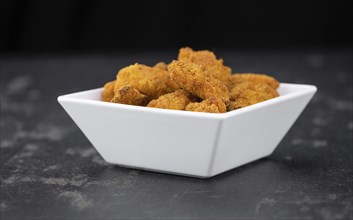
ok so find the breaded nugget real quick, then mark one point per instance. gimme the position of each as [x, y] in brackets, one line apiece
[193, 78]
[150, 81]
[208, 60]
[161, 65]
[238, 89]
[254, 78]
[212, 105]
[108, 91]
[250, 81]
[129, 95]
[255, 94]
[198, 81]
[176, 100]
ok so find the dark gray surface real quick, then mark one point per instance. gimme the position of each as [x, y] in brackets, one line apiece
[50, 170]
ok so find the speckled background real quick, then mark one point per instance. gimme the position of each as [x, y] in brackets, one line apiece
[49, 170]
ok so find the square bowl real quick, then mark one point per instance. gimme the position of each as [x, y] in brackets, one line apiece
[181, 142]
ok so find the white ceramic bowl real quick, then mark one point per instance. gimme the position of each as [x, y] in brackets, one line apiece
[181, 142]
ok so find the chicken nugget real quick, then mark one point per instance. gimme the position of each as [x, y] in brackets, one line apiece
[193, 78]
[129, 95]
[208, 60]
[254, 78]
[255, 94]
[176, 100]
[161, 65]
[212, 105]
[150, 81]
[238, 89]
[108, 91]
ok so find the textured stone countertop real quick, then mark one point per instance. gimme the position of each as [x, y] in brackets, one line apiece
[49, 170]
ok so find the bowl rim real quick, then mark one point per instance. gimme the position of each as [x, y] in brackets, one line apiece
[75, 97]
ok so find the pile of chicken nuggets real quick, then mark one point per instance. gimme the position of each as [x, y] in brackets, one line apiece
[196, 81]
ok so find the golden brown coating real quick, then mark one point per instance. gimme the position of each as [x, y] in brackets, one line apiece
[176, 100]
[238, 89]
[197, 81]
[252, 95]
[254, 78]
[161, 65]
[129, 95]
[212, 105]
[151, 81]
[108, 91]
[193, 78]
[208, 60]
